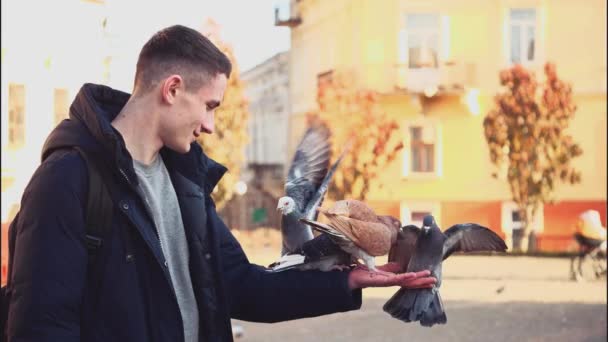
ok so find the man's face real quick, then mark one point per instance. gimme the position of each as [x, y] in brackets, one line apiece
[192, 114]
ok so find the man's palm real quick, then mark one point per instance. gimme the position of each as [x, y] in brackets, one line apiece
[361, 277]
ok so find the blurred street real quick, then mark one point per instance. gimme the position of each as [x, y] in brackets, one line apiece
[495, 298]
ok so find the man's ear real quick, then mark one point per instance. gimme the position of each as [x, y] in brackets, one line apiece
[171, 87]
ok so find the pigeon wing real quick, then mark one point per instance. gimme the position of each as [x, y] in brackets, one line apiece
[373, 237]
[311, 212]
[321, 246]
[309, 166]
[361, 211]
[471, 237]
[311, 159]
[402, 250]
[325, 228]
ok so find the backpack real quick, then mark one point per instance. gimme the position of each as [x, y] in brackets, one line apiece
[97, 223]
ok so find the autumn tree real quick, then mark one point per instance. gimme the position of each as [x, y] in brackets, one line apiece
[527, 138]
[226, 144]
[354, 117]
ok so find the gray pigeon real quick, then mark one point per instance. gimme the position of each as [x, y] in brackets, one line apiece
[307, 182]
[321, 253]
[430, 248]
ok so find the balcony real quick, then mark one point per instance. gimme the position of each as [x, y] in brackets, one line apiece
[445, 78]
[291, 21]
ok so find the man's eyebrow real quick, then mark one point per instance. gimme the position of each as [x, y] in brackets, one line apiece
[213, 104]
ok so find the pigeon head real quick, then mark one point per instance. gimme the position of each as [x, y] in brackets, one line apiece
[428, 222]
[392, 223]
[286, 205]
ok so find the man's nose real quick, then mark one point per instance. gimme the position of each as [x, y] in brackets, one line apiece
[208, 125]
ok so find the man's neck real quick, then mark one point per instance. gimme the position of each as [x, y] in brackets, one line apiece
[138, 126]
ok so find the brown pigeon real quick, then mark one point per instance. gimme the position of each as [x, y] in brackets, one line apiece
[403, 248]
[356, 228]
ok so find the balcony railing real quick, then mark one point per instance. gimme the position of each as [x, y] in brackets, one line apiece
[450, 77]
[292, 21]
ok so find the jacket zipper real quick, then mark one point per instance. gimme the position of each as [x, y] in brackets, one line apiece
[160, 244]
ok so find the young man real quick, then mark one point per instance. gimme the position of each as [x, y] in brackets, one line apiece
[169, 269]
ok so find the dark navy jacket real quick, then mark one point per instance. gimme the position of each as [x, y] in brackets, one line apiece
[128, 296]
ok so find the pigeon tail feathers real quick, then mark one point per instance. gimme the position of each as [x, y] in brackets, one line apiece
[435, 314]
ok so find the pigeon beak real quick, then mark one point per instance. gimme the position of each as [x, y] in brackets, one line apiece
[426, 229]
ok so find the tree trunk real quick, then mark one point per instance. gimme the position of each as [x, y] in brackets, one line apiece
[527, 243]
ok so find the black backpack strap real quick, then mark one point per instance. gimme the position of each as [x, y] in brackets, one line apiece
[98, 222]
[99, 206]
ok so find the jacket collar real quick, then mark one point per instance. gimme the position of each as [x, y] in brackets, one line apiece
[89, 127]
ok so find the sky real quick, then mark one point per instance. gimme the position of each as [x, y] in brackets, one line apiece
[248, 25]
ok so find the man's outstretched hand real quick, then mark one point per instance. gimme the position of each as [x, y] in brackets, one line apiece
[360, 277]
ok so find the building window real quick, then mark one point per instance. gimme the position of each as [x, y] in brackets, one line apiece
[512, 222]
[16, 115]
[60, 100]
[418, 217]
[422, 155]
[522, 30]
[422, 149]
[325, 78]
[516, 221]
[422, 35]
[414, 212]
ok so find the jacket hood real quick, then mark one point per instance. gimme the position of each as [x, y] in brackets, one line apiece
[89, 128]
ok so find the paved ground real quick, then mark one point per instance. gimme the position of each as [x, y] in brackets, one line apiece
[487, 298]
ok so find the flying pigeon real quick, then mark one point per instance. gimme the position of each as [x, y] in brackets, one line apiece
[307, 182]
[430, 248]
[358, 231]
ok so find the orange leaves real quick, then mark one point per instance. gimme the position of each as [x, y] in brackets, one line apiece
[354, 114]
[226, 145]
[526, 132]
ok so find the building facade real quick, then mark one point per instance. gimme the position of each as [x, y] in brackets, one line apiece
[266, 87]
[435, 64]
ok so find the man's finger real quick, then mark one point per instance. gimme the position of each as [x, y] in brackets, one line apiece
[424, 273]
[419, 282]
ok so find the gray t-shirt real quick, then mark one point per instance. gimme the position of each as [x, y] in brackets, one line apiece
[156, 188]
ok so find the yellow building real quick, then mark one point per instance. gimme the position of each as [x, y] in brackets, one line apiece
[436, 65]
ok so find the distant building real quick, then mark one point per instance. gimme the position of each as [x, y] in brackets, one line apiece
[267, 90]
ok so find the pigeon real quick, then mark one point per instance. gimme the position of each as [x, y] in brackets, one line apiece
[358, 231]
[321, 253]
[430, 248]
[307, 182]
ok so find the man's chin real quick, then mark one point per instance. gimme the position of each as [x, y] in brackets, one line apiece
[181, 149]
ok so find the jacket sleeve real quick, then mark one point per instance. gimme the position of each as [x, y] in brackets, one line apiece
[50, 257]
[259, 296]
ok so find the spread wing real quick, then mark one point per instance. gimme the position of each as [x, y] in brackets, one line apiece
[471, 237]
[373, 237]
[311, 212]
[309, 165]
[403, 248]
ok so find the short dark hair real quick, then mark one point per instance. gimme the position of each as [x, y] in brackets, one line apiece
[179, 50]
